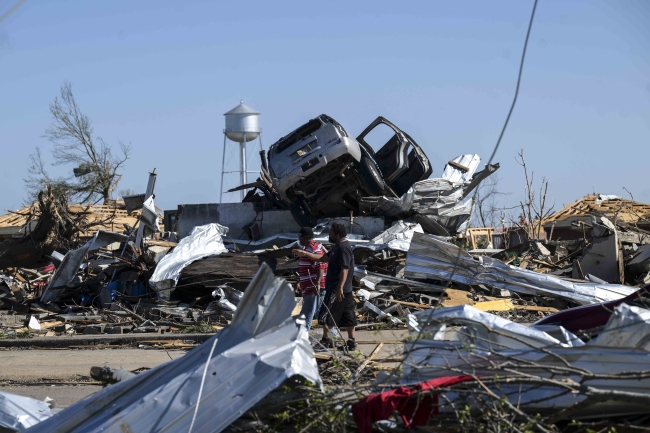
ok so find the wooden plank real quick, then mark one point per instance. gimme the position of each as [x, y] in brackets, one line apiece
[458, 166]
[457, 297]
[536, 308]
[48, 325]
[322, 356]
[161, 243]
[172, 342]
[366, 325]
[408, 304]
[367, 361]
[390, 359]
[298, 308]
[543, 263]
[497, 305]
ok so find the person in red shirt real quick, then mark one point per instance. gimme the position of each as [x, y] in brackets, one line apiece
[339, 305]
[312, 275]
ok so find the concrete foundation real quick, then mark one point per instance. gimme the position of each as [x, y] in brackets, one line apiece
[269, 223]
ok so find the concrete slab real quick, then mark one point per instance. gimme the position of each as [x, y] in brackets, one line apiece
[368, 341]
[63, 395]
[35, 365]
[236, 215]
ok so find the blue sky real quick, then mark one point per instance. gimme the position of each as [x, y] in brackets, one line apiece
[160, 75]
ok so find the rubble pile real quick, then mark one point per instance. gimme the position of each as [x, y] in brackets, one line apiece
[110, 286]
[534, 332]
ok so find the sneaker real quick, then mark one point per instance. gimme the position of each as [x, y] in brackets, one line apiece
[350, 346]
[323, 346]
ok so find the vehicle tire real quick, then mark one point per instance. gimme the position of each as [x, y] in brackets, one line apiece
[371, 176]
[300, 216]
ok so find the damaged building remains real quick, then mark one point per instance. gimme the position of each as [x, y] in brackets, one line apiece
[539, 334]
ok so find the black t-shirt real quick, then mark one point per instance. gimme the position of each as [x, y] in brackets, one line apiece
[341, 255]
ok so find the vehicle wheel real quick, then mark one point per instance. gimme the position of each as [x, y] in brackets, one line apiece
[300, 216]
[371, 176]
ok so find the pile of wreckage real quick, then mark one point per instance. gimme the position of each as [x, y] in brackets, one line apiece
[544, 334]
[585, 366]
[142, 281]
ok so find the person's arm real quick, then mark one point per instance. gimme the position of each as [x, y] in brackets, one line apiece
[343, 276]
[319, 278]
[323, 258]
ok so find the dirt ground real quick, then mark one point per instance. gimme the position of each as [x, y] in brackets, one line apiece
[63, 374]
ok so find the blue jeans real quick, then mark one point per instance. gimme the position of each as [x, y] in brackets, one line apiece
[310, 306]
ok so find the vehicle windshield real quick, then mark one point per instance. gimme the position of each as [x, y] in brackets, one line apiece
[299, 134]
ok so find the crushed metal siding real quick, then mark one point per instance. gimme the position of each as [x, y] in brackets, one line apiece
[18, 413]
[237, 367]
[486, 342]
[431, 257]
[202, 242]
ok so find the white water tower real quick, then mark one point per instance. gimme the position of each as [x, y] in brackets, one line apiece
[242, 126]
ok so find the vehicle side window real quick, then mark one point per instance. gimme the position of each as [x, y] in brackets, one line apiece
[379, 136]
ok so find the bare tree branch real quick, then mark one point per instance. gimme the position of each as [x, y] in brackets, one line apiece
[486, 207]
[95, 167]
[534, 208]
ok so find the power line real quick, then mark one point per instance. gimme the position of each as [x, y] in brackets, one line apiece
[521, 69]
[12, 10]
[496, 148]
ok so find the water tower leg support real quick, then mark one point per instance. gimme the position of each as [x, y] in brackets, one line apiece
[243, 166]
[223, 164]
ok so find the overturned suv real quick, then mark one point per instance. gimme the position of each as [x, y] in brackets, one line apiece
[319, 171]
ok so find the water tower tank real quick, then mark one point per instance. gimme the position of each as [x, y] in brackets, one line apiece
[242, 123]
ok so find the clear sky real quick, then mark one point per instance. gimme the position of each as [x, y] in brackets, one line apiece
[160, 74]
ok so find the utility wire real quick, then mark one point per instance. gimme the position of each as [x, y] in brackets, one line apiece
[12, 10]
[496, 148]
[521, 69]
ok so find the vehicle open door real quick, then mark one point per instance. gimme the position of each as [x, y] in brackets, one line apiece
[401, 161]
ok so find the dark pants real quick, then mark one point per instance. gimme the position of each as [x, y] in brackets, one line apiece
[336, 312]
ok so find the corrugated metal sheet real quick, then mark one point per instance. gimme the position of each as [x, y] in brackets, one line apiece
[204, 241]
[488, 345]
[18, 412]
[68, 268]
[431, 257]
[214, 384]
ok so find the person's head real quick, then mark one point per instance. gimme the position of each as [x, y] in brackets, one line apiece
[337, 233]
[305, 236]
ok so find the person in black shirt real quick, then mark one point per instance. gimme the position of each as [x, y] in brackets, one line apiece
[338, 306]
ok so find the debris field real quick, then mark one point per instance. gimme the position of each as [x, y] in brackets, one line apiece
[494, 327]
